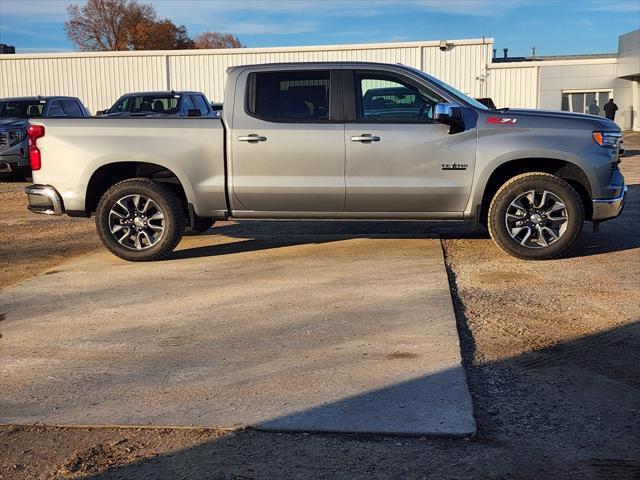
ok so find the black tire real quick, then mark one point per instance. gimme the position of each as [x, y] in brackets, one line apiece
[540, 182]
[200, 225]
[167, 202]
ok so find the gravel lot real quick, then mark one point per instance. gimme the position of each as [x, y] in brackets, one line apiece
[552, 351]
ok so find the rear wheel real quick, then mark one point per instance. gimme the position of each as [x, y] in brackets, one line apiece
[535, 216]
[140, 220]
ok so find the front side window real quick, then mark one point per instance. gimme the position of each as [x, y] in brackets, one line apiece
[55, 110]
[387, 98]
[121, 106]
[72, 108]
[200, 104]
[290, 96]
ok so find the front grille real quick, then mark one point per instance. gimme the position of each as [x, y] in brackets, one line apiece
[3, 138]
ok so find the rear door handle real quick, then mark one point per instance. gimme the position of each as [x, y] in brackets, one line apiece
[253, 138]
[365, 138]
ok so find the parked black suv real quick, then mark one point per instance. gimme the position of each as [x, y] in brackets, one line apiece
[14, 120]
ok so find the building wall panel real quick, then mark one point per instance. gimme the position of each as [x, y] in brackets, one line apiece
[515, 87]
[100, 78]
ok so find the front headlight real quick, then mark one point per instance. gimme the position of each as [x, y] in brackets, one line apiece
[607, 139]
[15, 136]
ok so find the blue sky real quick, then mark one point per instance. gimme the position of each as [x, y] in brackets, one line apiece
[553, 26]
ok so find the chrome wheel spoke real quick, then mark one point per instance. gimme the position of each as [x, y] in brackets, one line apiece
[536, 218]
[124, 236]
[526, 237]
[136, 222]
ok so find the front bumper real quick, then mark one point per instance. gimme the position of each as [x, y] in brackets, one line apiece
[609, 208]
[44, 199]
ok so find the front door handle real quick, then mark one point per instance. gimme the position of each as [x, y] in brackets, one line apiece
[365, 138]
[253, 138]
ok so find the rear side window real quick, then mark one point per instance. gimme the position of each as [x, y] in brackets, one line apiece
[289, 96]
[55, 109]
[72, 108]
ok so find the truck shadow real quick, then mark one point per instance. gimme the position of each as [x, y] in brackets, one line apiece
[256, 235]
[622, 233]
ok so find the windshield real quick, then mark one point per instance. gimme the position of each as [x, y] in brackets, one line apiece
[21, 108]
[161, 103]
[453, 91]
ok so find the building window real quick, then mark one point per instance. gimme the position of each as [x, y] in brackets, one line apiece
[585, 102]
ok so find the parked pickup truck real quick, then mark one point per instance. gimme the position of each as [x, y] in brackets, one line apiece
[14, 115]
[150, 104]
[299, 141]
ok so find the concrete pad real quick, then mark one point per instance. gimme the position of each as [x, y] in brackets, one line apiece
[311, 333]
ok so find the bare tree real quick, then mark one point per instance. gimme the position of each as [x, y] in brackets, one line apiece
[105, 24]
[217, 40]
[102, 25]
[159, 35]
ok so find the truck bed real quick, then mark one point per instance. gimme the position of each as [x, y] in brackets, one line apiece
[81, 146]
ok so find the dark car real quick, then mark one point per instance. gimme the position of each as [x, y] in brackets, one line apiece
[158, 104]
[396, 102]
[14, 120]
[487, 102]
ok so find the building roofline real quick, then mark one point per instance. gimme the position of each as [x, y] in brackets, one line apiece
[235, 51]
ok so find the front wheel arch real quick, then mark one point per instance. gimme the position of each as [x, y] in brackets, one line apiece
[567, 171]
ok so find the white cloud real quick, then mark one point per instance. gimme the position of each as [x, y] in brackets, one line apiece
[33, 10]
[621, 6]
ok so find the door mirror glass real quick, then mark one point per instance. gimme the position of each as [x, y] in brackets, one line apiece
[448, 112]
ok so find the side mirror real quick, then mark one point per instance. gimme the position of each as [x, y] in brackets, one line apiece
[447, 113]
[193, 112]
[99, 113]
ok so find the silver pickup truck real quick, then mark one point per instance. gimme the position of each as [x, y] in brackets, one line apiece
[332, 141]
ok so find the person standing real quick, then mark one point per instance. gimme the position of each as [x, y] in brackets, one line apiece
[594, 109]
[610, 109]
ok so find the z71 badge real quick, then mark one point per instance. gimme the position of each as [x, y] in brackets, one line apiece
[502, 120]
[455, 166]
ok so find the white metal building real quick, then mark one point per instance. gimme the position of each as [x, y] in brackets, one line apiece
[547, 82]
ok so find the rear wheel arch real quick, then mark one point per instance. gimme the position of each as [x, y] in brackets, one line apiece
[110, 174]
[567, 171]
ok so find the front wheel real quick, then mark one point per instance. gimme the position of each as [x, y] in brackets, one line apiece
[140, 220]
[535, 216]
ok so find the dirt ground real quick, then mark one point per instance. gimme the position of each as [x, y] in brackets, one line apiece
[552, 351]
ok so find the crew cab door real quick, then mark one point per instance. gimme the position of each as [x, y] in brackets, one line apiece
[398, 159]
[287, 142]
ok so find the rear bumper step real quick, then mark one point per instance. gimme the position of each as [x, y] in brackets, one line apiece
[44, 199]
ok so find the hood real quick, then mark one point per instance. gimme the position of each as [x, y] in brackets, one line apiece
[600, 123]
[10, 123]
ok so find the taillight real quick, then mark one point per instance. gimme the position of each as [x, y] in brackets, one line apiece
[35, 159]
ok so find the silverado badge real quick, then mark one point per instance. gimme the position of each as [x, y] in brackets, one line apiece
[454, 166]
